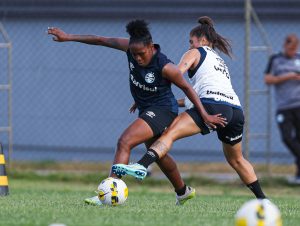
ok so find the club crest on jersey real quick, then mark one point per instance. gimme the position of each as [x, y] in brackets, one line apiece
[149, 78]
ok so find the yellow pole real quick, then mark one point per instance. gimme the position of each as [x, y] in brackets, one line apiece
[3, 176]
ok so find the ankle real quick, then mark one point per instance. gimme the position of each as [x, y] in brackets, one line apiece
[181, 191]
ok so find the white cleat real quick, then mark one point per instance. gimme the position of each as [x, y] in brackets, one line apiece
[94, 201]
[189, 194]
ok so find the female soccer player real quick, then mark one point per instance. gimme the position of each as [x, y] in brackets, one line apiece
[151, 74]
[210, 78]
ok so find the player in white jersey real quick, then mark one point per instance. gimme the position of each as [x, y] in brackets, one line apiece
[210, 78]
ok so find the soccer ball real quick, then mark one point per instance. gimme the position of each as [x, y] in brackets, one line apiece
[112, 191]
[258, 212]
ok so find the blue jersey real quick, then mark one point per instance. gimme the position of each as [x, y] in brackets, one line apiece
[147, 85]
[288, 92]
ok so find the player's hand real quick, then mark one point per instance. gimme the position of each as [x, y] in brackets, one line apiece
[213, 121]
[58, 34]
[295, 76]
[133, 108]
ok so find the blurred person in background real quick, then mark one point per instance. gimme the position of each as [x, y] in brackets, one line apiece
[151, 75]
[210, 78]
[283, 72]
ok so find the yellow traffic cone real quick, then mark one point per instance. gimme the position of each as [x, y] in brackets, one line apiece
[3, 176]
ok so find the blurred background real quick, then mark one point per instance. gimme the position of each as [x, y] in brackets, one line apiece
[69, 101]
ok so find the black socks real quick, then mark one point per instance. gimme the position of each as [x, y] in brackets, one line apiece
[181, 191]
[256, 189]
[150, 157]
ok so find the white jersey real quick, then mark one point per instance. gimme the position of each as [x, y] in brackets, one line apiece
[211, 80]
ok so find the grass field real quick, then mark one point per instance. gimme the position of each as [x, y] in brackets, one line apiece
[58, 198]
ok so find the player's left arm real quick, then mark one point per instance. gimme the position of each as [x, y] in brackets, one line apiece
[173, 74]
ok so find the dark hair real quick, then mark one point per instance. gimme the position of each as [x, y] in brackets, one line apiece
[139, 32]
[206, 28]
[291, 39]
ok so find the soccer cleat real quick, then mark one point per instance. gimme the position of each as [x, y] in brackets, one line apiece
[189, 194]
[136, 170]
[94, 201]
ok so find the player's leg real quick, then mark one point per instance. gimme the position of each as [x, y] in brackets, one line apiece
[289, 126]
[138, 132]
[147, 145]
[169, 168]
[231, 137]
[158, 123]
[182, 126]
[186, 124]
[183, 191]
[234, 156]
[296, 113]
[297, 128]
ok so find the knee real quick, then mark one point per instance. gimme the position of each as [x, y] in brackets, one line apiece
[124, 143]
[170, 133]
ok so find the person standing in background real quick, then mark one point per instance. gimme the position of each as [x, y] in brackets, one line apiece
[283, 72]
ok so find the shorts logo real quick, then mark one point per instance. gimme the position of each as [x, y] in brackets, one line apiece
[149, 78]
[234, 138]
[280, 118]
[150, 114]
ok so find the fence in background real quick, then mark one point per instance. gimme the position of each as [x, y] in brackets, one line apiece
[70, 100]
[6, 87]
[249, 90]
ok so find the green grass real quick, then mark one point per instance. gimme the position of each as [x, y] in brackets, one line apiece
[42, 200]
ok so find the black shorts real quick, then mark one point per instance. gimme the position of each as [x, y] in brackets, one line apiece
[158, 119]
[230, 134]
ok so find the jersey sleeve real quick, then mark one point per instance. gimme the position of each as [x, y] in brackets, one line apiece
[163, 60]
[269, 68]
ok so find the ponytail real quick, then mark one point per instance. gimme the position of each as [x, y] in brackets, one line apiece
[206, 28]
[139, 32]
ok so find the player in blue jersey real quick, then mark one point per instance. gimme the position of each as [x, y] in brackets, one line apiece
[150, 75]
[210, 78]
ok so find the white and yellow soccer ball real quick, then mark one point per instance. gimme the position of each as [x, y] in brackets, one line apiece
[112, 191]
[258, 212]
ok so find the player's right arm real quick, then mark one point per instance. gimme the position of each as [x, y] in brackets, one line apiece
[273, 80]
[111, 42]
